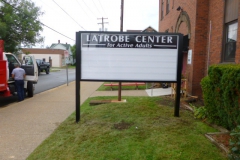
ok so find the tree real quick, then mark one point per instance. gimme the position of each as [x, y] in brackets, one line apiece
[19, 24]
[73, 50]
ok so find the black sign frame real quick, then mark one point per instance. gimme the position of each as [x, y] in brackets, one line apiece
[79, 46]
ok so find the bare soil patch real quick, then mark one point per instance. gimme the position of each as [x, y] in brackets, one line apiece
[167, 101]
[122, 125]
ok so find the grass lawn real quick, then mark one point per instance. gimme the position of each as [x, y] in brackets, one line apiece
[144, 128]
[69, 66]
[115, 88]
[55, 69]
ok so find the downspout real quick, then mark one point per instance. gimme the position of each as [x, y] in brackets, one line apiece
[209, 43]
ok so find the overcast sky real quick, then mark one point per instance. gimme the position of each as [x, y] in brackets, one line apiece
[69, 17]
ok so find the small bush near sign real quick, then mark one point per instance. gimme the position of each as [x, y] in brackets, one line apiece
[221, 90]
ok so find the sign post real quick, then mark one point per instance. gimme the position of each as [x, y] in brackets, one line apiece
[129, 57]
[121, 30]
[78, 74]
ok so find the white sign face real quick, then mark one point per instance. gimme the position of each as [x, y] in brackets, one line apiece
[189, 59]
[129, 57]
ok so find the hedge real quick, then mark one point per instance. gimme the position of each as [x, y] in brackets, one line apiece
[221, 94]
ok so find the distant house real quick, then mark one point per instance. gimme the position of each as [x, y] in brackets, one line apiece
[148, 29]
[58, 55]
[67, 51]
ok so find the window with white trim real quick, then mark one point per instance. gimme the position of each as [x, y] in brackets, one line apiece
[231, 29]
[230, 42]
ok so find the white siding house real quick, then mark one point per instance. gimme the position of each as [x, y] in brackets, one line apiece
[67, 51]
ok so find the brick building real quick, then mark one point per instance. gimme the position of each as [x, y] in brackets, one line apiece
[211, 34]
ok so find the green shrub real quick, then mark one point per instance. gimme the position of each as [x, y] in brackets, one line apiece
[221, 93]
[235, 144]
[199, 112]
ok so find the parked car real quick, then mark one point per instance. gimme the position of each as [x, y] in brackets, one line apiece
[43, 66]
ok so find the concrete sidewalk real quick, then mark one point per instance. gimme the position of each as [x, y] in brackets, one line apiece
[25, 125]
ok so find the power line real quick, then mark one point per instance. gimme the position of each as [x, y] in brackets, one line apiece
[47, 5]
[82, 8]
[68, 14]
[37, 20]
[102, 8]
[96, 6]
[89, 8]
[57, 31]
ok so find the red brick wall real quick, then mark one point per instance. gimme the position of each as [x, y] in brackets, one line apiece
[216, 17]
[237, 60]
[169, 21]
[206, 45]
[200, 52]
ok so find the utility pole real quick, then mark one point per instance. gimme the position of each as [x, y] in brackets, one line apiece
[103, 22]
[121, 30]
[121, 18]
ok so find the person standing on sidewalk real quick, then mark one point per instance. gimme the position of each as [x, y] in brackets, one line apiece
[19, 74]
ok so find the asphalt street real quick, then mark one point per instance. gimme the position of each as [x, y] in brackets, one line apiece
[45, 82]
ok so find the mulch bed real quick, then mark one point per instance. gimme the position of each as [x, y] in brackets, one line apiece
[222, 139]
